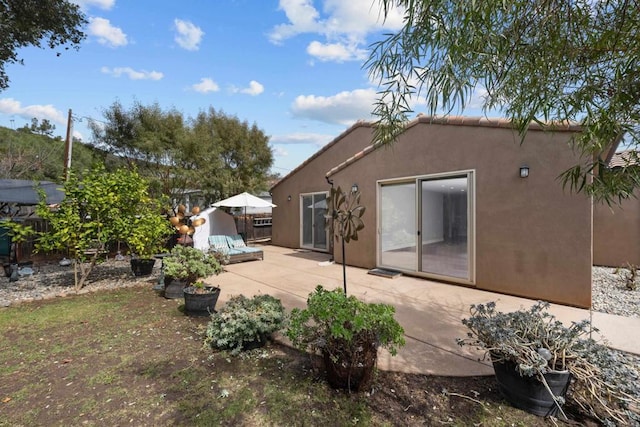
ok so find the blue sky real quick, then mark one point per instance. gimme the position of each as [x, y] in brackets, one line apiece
[293, 67]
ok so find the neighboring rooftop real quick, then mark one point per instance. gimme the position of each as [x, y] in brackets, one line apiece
[624, 158]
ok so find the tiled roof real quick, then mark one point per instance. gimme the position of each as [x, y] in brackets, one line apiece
[625, 158]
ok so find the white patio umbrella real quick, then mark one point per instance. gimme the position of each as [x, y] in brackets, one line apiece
[244, 200]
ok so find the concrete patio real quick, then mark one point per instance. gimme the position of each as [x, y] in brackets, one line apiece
[430, 312]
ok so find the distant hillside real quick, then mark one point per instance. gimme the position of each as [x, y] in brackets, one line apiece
[25, 155]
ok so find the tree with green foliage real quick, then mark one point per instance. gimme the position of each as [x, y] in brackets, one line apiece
[34, 23]
[149, 139]
[238, 154]
[542, 61]
[214, 153]
[99, 208]
[45, 127]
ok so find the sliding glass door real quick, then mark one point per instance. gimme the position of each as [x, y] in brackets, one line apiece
[398, 226]
[313, 209]
[426, 225]
[444, 224]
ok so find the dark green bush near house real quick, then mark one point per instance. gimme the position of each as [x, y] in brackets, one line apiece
[331, 317]
[347, 333]
[245, 322]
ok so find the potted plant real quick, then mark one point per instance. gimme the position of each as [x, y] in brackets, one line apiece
[245, 323]
[200, 299]
[185, 266]
[147, 236]
[347, 333]
[538, 361]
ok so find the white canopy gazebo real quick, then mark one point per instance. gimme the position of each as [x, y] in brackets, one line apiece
[244, 200]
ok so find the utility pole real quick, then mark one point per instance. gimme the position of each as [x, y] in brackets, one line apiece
[68, 146]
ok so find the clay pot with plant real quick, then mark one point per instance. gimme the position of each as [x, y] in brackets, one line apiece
[200, 299]
[347, 333]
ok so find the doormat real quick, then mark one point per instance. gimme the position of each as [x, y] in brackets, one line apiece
[383, 272]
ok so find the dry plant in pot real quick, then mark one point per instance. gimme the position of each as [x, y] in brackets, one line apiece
[533, 352]
[347, 333]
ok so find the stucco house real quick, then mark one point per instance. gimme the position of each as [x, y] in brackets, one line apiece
[616, 229]
[456, 199]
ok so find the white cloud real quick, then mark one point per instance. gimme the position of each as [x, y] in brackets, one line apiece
[254, 89]
[188, 35]
[133, 74]
[359, 17]
[337, 52]
[10, 106]
[279, 152]
[303, 18]
[317, 139]
[106, 33]
[344, 24]
[478, 98]
[78, 135]
[206, 85]
[101, 4]
[344, 108]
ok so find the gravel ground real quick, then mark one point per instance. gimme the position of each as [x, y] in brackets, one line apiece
[610, 295]
[50, 280]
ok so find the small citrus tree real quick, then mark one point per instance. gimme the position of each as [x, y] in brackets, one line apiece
[99, 208]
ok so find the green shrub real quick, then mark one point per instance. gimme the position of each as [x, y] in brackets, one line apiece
[338, 324]
[244, 321]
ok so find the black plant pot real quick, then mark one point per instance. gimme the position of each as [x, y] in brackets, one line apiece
[529, 393]
[200, 304]
[174, 288]
[142, 266]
